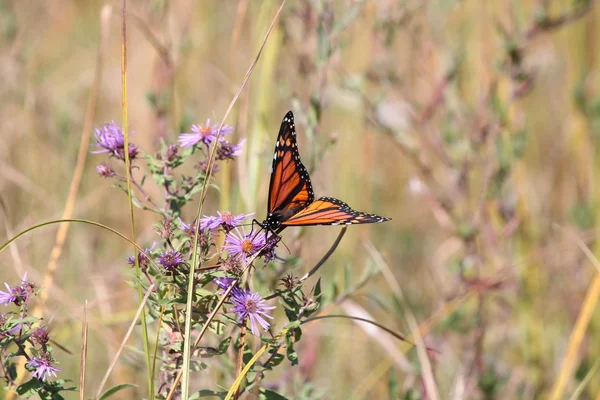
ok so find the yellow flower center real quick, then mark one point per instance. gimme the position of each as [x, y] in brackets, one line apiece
[247, 246]
[205, 131]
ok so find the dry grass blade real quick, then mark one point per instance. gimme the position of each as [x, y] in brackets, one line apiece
[14, 251]
[387, 344]
[583, 320]
[584, 382]
[426, 371]
[124, 341]
[90, 114]
[326, 256]
[84, 336]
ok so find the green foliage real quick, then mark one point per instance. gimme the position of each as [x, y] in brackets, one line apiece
[115, 389]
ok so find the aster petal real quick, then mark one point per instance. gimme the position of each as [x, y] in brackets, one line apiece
[189, 139]
[223, 282]
[9, 296]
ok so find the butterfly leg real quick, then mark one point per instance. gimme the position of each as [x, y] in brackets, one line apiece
[252, 230]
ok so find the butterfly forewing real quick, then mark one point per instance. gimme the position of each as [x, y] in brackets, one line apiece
[290, 187]
[330, 211]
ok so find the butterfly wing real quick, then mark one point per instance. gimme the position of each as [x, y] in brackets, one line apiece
[330, 211]
[290, 189]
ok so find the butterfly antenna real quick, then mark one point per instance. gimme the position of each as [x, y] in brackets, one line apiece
[286, 247]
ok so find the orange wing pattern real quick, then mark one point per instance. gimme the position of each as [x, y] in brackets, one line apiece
[330, 211]
[291, 198]
[290, 188]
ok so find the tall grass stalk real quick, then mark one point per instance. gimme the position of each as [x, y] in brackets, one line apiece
[84, 338]
[138, 272]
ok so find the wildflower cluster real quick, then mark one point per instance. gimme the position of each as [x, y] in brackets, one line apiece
[26, 337]
[225, 249]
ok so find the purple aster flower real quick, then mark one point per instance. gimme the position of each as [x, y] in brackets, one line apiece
[105, 170]
[251, 305]
[204, 239]
[187, 228]
[226, 219]
[41, 335]
[203, 133]
[171, 260]
[8, 297]
[143, 260]
[230, 221]
[110, 139]
[202, 166]
[239, 244]
[42, 367]
[171, 152]
[17, 294]
[227, 151]
[223, 282]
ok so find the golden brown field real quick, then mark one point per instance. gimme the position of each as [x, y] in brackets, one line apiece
[473, 124]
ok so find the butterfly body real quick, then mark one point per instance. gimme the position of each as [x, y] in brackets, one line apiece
[291, 197]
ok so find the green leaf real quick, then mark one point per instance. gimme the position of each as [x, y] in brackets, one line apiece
[317, 290]
[29, 388]
[26, 320]
[290, 352]
[275, 359]
[266, 394]
[115, 389]
[293, 325]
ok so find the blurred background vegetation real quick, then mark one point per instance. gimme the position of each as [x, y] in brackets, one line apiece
[473, 124]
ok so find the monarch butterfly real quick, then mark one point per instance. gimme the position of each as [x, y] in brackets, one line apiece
[291, 198]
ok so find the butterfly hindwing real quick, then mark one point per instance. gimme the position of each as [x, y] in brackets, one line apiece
[290, 189]
[330, 211]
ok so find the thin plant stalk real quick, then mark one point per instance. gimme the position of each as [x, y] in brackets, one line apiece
[326, 256]
[577, 334]
[240, 359]
[154, 354]
[84, 336]
[138, 272]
